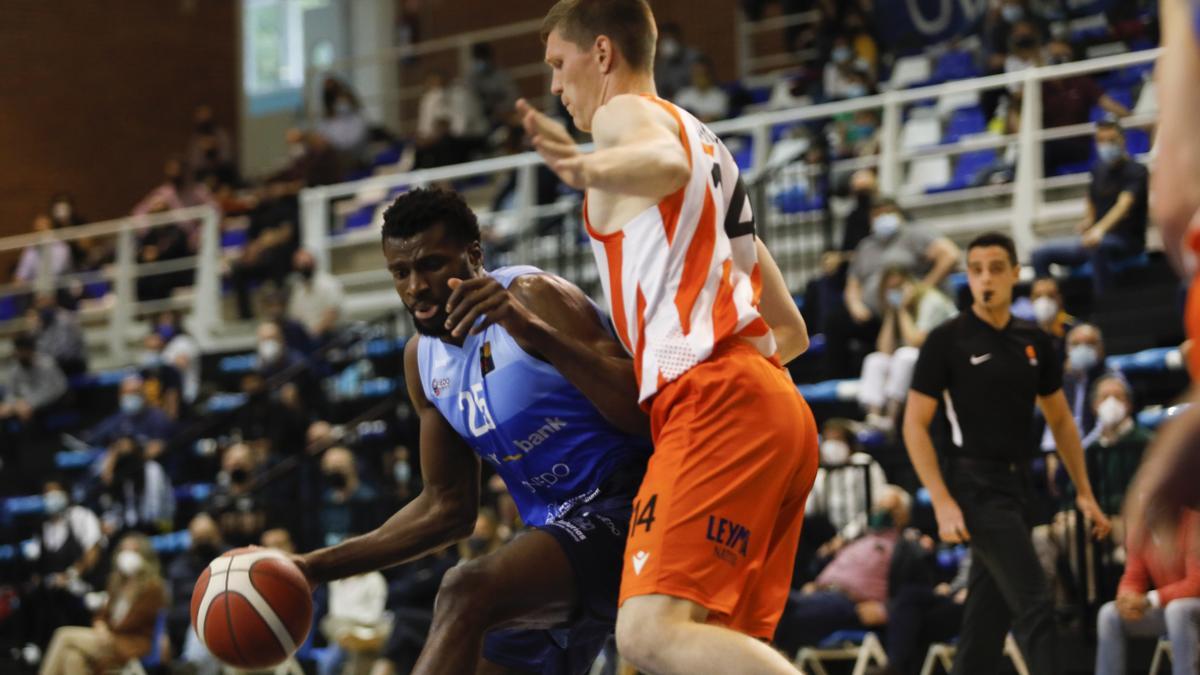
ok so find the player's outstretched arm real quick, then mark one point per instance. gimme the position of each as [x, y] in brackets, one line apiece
[638, 151]
[1066, 438]
[552, 319]
[778, 308]
[442, 514]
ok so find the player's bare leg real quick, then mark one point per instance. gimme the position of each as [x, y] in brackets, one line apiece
[663, 635]
[528, 583]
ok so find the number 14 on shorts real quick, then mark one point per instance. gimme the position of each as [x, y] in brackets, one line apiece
[643, 516]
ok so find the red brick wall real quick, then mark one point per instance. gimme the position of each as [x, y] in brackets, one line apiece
[95, 95]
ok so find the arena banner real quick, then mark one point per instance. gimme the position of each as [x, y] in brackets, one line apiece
[904, 24]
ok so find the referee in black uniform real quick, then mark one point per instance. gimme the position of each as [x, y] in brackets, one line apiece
[988, 369]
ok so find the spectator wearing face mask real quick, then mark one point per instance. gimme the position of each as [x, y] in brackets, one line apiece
[1067, 101]
[702, 97]
[237, 503]
[672, 61]
[68, 545]
[1117, 210]
[851, 593]
[123, 629]
[844, 76]
[910, 312]
[161, 382]
[178, 190]
[1048, 311]
[132, 492]
[840, 491]
[315, 297]
[150, 426]
[272, 239]
[31, 384]
[205, 545]
[181, 351]
[343, 124]
[210, 148]
[495, 88]
[42, 263]
[892, 243]
[1116, 445]
[347, 504]
[1084, 365]
[59, 334]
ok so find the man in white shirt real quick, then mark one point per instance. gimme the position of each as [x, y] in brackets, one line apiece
[315, 297]
[703, 98]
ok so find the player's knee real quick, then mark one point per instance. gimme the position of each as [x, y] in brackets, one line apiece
[641, 632]
[465, 592]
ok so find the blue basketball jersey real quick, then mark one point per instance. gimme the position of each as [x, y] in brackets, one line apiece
[546, 440]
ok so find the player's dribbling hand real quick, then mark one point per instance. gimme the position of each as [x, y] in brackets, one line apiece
[482, 296]
[302, 563]
[952, 529]
[1101, 526]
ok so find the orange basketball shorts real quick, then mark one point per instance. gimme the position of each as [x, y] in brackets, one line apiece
[717, 518]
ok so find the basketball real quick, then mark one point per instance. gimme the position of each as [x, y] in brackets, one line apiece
[252, 608]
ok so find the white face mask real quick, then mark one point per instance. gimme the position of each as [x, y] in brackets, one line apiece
[55, 501]
[1082, 357]
[834, 452]
[269, 350]
[61, 212]
[1045, 309]
[129, 563]
[886, 224]
[1111, 412]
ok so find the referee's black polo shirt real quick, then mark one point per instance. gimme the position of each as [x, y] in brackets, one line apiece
[988, 381]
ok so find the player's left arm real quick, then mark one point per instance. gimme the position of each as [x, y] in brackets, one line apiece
[1066, 438]
[638, 152]
[778, 308]
[553, 319]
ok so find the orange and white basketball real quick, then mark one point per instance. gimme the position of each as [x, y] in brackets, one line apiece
[252, 608]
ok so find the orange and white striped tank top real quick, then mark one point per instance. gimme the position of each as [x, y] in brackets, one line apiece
[683, 276]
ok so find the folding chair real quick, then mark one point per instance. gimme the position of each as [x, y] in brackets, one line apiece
[861, 647]
[942, 654]
[1162, 650]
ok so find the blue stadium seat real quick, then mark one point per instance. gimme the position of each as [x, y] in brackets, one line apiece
[234, 238]
[843, 637]
[76, 459]
[1135, 262]
[1072, 168]
[8, 307]
[964, 122]
[388, 156]
[1156, 360]
[172, 542]
[955, 65]
[238, 363]
[1137, 142]
[225, 402]
[1120, 94]
[829, 391]
[797, 200]
[1152, 418]
[96, 289]
[361, 218]
[196, 492]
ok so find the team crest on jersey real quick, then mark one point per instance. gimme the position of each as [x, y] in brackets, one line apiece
[439, 385]
[486, 364]
[1032, 354]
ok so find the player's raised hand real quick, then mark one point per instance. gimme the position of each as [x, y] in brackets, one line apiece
[554, 144]
[482, 297]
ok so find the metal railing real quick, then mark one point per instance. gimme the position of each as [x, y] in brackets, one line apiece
[125, 271]
[1026, 194]
[749, 32]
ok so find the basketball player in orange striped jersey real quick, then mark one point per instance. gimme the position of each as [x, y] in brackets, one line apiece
[1167, 480]
[697, 300]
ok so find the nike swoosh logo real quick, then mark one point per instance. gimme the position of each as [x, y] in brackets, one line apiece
[639, 561]
[976, 360]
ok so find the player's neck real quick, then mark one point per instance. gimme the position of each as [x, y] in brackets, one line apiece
[624, 82]
[996, 317]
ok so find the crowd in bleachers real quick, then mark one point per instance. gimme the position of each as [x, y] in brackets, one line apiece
[120, 487]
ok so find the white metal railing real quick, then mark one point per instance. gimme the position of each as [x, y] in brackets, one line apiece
[123, 273]
[1026, 188]
[748, 33]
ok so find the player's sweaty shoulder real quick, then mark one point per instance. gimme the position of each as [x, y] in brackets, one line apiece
[629, 116]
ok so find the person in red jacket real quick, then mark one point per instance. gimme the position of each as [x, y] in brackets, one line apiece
[1171, 608]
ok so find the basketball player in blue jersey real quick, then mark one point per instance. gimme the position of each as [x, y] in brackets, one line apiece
[517, 368]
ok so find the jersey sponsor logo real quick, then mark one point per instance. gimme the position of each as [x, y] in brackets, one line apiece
[439, 385]
[486, 364]
[544, 432]
[548, 478]
[639, 561]
[976, 360]
[1032, 354]
[731, 538]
